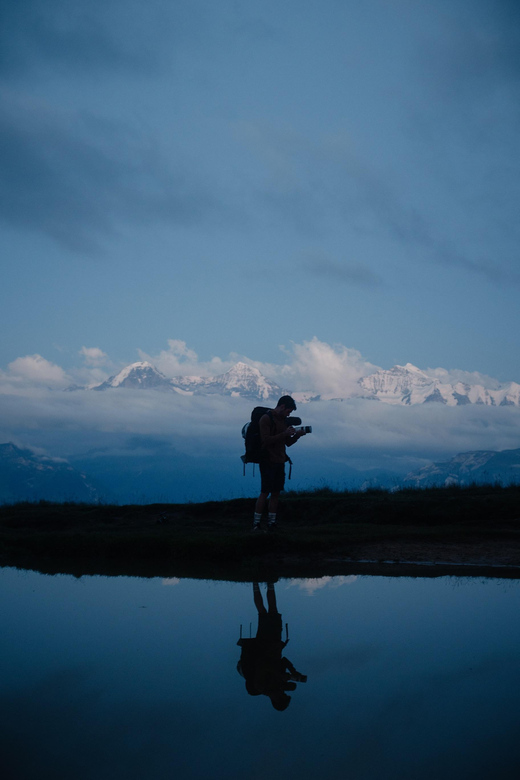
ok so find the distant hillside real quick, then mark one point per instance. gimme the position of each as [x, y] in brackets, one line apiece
[480, 466]
[25, 476]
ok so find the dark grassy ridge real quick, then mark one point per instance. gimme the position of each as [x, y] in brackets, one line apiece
[320, 532]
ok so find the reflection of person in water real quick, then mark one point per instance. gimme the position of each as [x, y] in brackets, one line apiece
[261, 663]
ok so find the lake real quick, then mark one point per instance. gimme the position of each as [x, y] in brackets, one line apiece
[382, 678]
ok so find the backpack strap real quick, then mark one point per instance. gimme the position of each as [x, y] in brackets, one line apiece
[287, 458]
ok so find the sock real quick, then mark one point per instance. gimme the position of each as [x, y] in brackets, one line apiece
[272, 517]
[257, 518]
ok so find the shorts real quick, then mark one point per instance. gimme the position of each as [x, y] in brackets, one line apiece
[269, 627]
[273, 477]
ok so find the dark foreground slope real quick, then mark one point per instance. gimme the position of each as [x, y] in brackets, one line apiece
[475, 530]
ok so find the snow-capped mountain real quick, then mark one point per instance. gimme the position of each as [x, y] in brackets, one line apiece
[141, 376]
[401, 385]
[406, 385]
[25, 476]
[241, 381]
[483, 466]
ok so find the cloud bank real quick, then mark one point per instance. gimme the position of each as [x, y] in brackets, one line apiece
[312, 366]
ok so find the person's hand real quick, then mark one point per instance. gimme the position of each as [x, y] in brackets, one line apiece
[290, 432]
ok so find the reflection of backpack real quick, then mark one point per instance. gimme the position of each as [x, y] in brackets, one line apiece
[251, 436]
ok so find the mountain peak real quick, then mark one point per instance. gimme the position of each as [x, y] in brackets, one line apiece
[241, 380]
[411, 368]
[141, 375]
[400, 385]
[242, 369]
[405, 370]
[409, 385]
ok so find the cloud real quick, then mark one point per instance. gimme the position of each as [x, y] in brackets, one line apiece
[96, 369]
[453, 376]
[346, 434]
[94, 356]
[67, 35]
[328, 181]
[463, 130]
[180, 360]
[486, 267]
[313, 366]
[436, 181]
[35, 370]
[76, 177]
[25, 374]
[359, 429]
[312, 181]
[479, 51]
[328, 370]
[312, 585]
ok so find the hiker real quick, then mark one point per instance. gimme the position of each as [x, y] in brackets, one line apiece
[261, 663]
[275, 436]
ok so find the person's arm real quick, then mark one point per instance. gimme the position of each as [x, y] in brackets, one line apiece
[291, 671]
[293, 439]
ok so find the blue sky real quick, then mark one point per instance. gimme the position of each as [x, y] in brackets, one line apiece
[240, 176]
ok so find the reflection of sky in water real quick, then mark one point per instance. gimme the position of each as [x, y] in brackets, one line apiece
[126, 677]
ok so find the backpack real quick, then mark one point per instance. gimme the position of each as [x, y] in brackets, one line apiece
[251, 436]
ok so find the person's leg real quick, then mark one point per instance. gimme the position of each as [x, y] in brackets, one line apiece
[259, 508]
[265, 489]
[273, 503]
[278, 486]
[260, 503]
[271, 597]
[273, 506]
[257, 598]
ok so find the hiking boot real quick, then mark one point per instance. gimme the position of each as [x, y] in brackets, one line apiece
[272, 526]
[256, 526]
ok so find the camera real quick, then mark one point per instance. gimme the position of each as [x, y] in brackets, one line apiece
[297, 677]
[296, 423]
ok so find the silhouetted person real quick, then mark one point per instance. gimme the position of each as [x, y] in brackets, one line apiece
[261, 662]
[275, 435]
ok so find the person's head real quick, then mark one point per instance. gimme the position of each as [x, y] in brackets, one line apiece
[286, 405]
[250, 688]
[280, 701]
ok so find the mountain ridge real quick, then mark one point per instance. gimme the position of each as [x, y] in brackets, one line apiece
[241, 380]
[465, 468]
[405, 385]
[408, 385]
[25, 476]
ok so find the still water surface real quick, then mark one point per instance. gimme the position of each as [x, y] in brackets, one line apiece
[137, 678]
